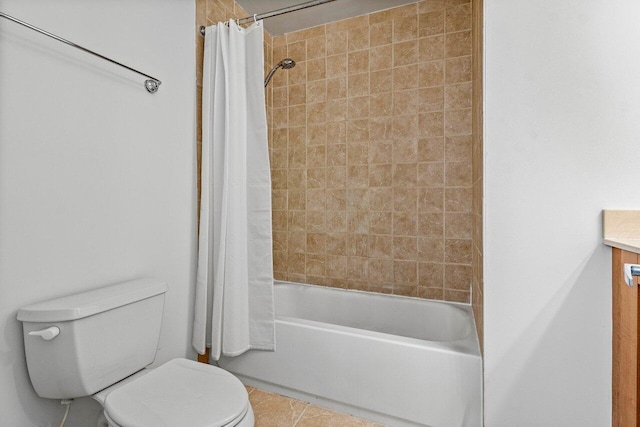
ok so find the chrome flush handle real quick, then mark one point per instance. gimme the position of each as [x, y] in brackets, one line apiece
[47, 334]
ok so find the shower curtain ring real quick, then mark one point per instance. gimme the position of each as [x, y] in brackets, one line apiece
[255, 15]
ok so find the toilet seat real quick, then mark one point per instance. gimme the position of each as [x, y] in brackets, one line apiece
[179, 393]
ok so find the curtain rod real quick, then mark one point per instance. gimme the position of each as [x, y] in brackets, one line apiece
[277, 12]
[152, 84]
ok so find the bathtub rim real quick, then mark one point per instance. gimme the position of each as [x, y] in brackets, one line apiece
[470, 345]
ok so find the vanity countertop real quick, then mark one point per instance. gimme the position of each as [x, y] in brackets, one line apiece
[621, 230]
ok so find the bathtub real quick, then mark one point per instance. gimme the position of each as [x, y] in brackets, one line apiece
[396, 360]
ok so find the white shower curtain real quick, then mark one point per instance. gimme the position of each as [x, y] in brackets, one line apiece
[234, 284]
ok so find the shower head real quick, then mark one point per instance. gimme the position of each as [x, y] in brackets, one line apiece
[285, 64]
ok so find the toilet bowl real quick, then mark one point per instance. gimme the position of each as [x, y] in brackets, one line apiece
[179, 393]
[100, 343]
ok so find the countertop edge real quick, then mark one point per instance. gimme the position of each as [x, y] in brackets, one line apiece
[631, 245]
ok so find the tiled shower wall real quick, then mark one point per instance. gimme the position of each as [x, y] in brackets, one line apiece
[371, 153]
[371, 149]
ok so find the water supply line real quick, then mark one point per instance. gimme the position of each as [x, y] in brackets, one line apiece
[66, 412]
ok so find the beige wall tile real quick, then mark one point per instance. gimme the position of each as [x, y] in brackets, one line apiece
[337, 43]
[316, 69]
[381, 81]
[395, 13]
[358, 130]
[457, 44]
[431, 48]
[336, 155]
[358, 176]
[457, 96]
[431, 5]
[336, 133]
[306, 34]
[316, 47]
[457, 199]
[431, 174]
[457, 277]
[431, 224]
[405, 150]
[430, 293]
[358, 85]
[337, 244]
[337, 222]
[380, 246]
[457, 251]
[380, 175]
[316, 245]
[337, 110]
[405, 77]
[297, 51]
[405, 272]
[458, 18]
[457, 174]
[358, 38]
[336, 65]
[454, 3]
[381, 58]
[336, 266]
[458, 148]
[405, 28]
[336, 199]
[381, 199]
[298, 74]
[405, 223]
[297, 94]
[458, 122]
[458, 225]
[430, 249]
[315, 91]
[456, 296]
[381, 223]
[358, 198]
[316, 221]
[381, 128]
[358, 62]
[336, 87]
[405, 53]
[346, 24]
[316, 134]
[380, 34]
[404, 199]
[431, 23]
[357, 268]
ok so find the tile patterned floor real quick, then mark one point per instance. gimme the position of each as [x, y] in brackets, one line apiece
[273, 410]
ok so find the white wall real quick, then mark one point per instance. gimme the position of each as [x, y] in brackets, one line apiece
[96, 175]
[562, 142]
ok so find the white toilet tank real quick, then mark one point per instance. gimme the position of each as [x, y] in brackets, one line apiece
[104, 336]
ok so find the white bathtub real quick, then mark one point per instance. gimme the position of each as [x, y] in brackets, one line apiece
[396, 360]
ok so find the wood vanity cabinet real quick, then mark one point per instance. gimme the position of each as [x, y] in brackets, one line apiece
[625, 381]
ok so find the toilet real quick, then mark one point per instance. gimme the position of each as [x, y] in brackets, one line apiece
[100, 343]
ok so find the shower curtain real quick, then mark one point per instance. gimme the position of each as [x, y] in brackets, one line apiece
[234, 283]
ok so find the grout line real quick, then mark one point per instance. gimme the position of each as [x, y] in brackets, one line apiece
[301, 414]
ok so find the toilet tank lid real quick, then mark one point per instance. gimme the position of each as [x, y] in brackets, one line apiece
[92, 302]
